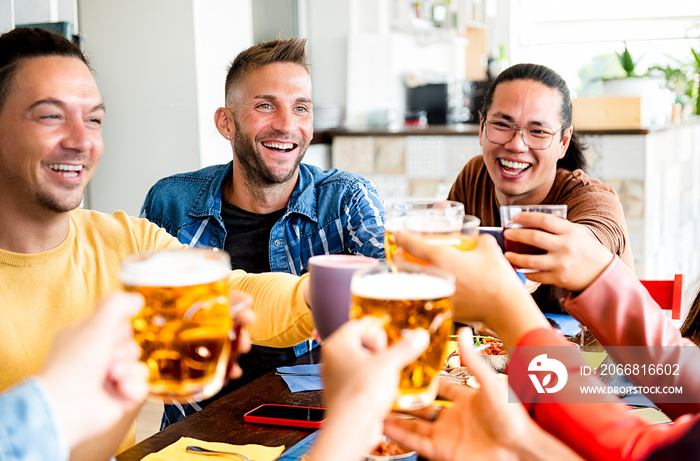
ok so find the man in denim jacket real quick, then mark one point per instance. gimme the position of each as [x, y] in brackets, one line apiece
[266, 209]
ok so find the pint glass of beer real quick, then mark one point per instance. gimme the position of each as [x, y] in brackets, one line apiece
[508, 212]
[409, 296]
[186, 327]
[438, 221]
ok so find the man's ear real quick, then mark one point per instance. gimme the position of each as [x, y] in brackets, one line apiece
[566, 139]
[223, 119]
[481, 131]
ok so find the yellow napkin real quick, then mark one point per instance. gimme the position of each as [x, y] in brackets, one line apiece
[176, 451]
[594, 359]
[451, 347]
[653, 415]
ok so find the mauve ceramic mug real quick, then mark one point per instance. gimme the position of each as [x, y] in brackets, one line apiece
[330, 277]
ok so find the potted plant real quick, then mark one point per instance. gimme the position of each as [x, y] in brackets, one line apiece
[631, 83]
[626, 61]
[680, 80]
[696, 87]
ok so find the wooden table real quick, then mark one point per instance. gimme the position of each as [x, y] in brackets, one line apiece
[222, 421]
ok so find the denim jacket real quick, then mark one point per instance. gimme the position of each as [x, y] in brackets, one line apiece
[29, 429]
[329, 212]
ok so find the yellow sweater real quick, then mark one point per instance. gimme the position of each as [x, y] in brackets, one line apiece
[42, 293]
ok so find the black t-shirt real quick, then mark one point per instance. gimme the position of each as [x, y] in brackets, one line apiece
[248, 244]
[248, 237]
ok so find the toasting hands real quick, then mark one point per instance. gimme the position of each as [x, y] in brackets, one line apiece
[93, 373]
[479, 424]
[574, 257]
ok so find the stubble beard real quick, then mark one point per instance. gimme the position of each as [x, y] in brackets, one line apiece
[45, 199]
[254, 169]
[57, 203]
[51, 203]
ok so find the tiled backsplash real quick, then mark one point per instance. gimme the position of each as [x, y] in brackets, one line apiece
[406, 166]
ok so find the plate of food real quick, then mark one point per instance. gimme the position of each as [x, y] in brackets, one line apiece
[492, 349]
[388, 450]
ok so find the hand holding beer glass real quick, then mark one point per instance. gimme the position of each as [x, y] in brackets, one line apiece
[508, 212]
[408, 296]
[186, 329]
[438, 222]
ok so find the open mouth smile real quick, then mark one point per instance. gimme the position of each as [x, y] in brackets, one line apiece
[513, 168]
[280, 146]
[68, 171]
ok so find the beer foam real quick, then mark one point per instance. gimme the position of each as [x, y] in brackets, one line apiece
[174, 269]
[402, 285]
[433, 225]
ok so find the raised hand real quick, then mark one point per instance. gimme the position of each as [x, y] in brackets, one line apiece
[93, 372]
[480, 424]
[487, 288]
[574, 256]
[361, 379]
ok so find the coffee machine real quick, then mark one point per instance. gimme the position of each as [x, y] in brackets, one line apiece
[444, 103]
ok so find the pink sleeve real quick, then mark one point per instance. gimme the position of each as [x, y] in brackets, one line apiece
[619, 311]
[601, 431]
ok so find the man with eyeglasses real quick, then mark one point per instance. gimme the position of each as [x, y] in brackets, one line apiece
[268, 210]
[532, 155]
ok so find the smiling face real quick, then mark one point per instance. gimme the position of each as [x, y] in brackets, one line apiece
[522, 175]
[50, 135]
[273, 122]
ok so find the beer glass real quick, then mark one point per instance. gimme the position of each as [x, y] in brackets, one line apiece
[438, 221]
[409, 296]
[186, 327]
[508, 212]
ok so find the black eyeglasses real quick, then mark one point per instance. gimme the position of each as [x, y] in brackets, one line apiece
[534, 136]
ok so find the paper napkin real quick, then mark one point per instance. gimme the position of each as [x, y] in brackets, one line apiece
[176, 451]
[301, 382]
[634, 398]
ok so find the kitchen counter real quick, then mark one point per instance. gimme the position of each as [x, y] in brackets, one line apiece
[326, 136]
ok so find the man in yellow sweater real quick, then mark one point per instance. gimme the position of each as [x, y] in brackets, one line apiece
[57, 261]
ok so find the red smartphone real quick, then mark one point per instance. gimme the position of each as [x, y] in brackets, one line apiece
[286, 415]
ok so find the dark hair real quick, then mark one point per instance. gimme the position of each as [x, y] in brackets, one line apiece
[30, 42]
[690, 328]
[278, 50]
[573, 158]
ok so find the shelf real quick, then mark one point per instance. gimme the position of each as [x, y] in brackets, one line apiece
[427, 31]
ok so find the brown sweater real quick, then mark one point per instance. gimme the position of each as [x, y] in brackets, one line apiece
[589, 202]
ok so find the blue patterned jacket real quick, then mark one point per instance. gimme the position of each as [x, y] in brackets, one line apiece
[329, 212]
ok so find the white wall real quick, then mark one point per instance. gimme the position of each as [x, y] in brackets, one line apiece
[28, 11]
[7, 15]
[31, 10]
[160, 66]
[567, 36]
[222, 31]
[328, 25]
[358, 61]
